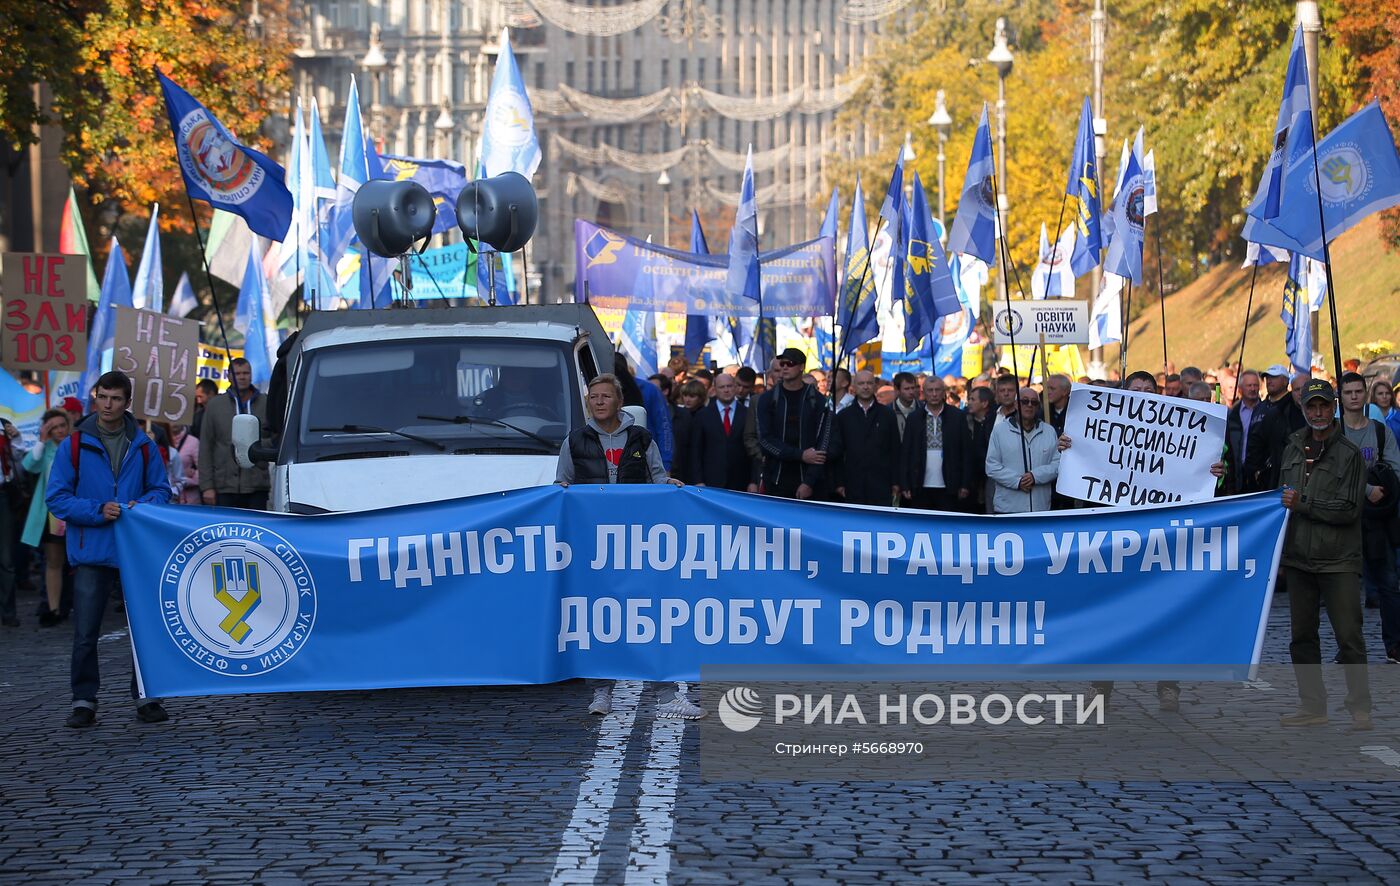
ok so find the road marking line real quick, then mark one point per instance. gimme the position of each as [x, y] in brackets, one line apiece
[649, 851]
[1383, 753]
[1261, 685]
[115, 635]
[580, 845]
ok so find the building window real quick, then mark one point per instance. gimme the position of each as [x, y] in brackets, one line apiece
[569, 74]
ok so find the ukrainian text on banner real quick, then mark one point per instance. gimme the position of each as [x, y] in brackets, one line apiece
[796, 280]
[650, 583]
[1131, 448]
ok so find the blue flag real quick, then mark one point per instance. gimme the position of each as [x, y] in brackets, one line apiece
[354, 171]
[638, 341]
[1296, 316]
[116, 293]
[1294, 123]
[508, 140]
[829, 221]
[318, 190]
[974, 230]
[1360, 174]
[856, 313]
[1083, 190]
[149, 289]
[252, 296]
[444, 179]
[184, 300]
[929, 290]
[697, 326]
[743, 277]
[1125, 251]
[222, 172]
[376, 273]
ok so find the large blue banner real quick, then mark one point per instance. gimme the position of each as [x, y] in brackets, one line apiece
[796, 280]
[650, 583]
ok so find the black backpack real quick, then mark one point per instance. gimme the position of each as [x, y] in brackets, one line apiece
[1383, 475]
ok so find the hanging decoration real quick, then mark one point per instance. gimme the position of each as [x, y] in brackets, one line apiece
[615, 110]
[873, 10]
[689, 21]
[597, 21]
[606, 192]
[750, 109]
[778, 194]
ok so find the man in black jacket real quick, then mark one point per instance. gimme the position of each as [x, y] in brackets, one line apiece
[865, 447]
[937, 459]
[717, 456]
[1268, 438]
[981, 417]
[1243, 420]
[793, 425]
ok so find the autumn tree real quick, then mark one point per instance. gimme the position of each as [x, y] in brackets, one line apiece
[1369, 29]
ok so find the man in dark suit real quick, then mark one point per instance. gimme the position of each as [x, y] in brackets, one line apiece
[937, 473]
[717, 456]
[865, 447]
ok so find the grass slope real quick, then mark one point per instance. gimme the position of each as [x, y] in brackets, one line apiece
[1204, 318]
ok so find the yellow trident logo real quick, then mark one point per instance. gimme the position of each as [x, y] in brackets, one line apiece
[1338, 171]
[236, 576]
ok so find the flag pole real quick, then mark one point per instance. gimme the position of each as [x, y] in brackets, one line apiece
[1326, 257]
[1244, 333]
[209, 277]
[1004, 253]
[1123, 345]
[1054, 250]
[1161, 299]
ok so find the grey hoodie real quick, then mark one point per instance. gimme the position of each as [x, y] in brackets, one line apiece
[564, 473]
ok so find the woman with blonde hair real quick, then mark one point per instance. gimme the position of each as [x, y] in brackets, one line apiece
[42, 529]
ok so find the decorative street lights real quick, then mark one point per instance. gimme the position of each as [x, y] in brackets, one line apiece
[942, 124]
[1000, 57]
[664, 181]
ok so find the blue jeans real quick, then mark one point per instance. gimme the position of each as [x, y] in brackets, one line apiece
[7, 559]
[91, 587]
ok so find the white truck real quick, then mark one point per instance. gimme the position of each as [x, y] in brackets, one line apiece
[411, 405]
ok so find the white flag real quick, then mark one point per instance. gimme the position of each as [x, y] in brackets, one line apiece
[1053, 277]
[1106, 326]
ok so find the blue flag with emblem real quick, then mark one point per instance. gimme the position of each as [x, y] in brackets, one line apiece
[1083, 190]
[697, 326]
[508, 139]
[856, 313]
[929, 290]
[1359, 173]
[1292, 140]
[354, 171]
[221, 171]
[743, 279]
[1124, 256]
[1296, 316]
[252, 298]
[444, 179]
[974, 230]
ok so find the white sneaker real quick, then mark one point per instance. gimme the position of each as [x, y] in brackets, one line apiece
[602, 701]
[680, 707]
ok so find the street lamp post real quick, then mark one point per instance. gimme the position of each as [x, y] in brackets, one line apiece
[942, 124]
[664, 181]
[374, 63]
[1000, 57]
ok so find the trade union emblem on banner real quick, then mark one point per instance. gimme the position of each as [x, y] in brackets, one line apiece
[208, 153]
[1344, 174]
[602, 248]
[1008, 322]
[510, 116]
[237, 599]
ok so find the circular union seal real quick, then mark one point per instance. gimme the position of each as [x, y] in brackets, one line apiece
[1009, 322]
[1344, 174]
[237, 599]
[218, 160]
[1137, 205]
[510, 118]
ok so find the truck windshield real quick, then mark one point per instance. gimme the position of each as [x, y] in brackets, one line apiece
[507, 395]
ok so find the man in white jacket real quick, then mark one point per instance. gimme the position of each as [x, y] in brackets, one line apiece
[1023, 459]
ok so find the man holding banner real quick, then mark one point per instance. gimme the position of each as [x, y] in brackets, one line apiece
[1324, 482]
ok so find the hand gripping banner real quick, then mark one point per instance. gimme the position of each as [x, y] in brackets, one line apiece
[650, 583]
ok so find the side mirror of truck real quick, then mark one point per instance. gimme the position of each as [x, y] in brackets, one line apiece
[248, 448]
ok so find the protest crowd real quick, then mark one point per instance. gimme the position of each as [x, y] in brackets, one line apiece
[991, 445]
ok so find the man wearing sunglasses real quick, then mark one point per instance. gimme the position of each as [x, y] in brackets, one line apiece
[793, 427]
[1023, 459]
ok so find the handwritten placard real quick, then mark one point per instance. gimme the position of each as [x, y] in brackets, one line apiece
[1131, 448]
[46, 311]
[158, 352]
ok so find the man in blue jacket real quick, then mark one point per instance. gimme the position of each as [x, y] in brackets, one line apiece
[114, 463]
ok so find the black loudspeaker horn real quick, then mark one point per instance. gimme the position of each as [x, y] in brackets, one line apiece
[390, 216]
[500, 211]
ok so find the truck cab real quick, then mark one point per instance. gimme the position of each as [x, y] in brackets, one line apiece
[411, 405]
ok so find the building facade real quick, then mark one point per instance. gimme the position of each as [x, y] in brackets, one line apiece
[644, 108]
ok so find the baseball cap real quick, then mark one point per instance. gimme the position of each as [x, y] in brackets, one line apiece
[71, 404]
[793, 355]
[1319, 388]
[1277, 369]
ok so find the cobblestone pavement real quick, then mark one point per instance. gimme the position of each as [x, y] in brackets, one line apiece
[519, 784]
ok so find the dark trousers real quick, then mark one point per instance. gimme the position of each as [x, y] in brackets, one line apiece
[7, 559]
[1380, 576]
[930, 498]
[789, 478]
[92, 585]
[1339, 591]
[252, 501]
